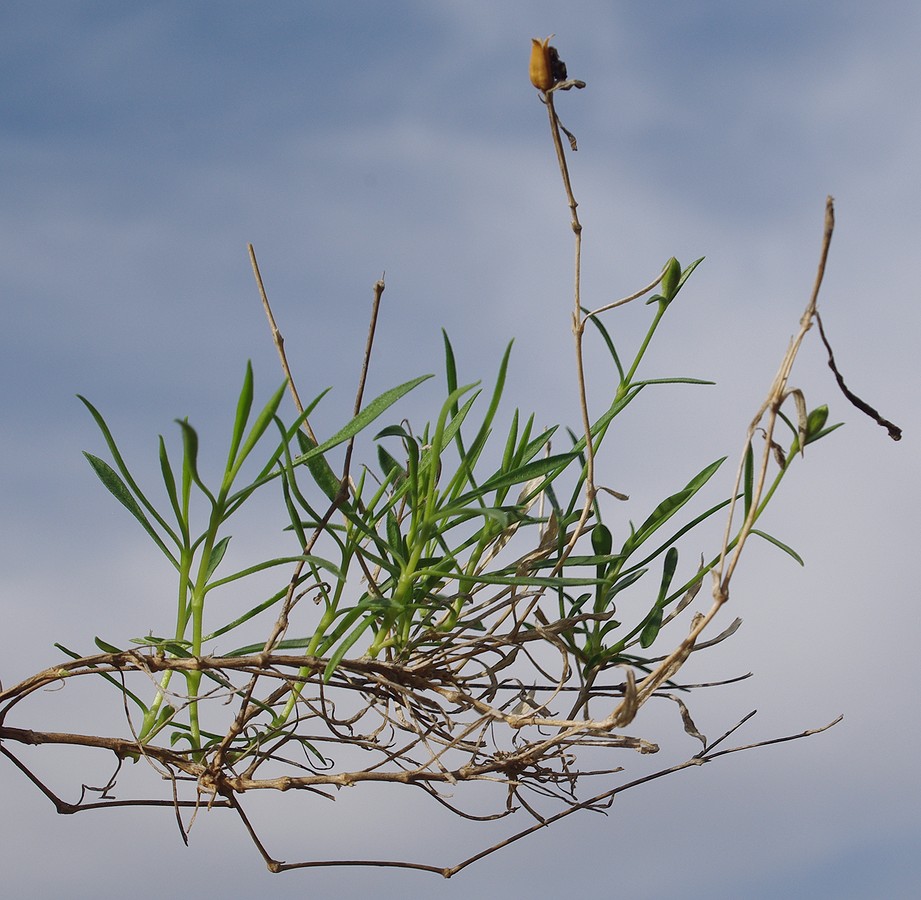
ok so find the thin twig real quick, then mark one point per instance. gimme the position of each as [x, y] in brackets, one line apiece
[279, 342]
[894, 431]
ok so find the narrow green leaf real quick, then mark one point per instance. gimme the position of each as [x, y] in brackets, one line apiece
[748, 477]
[372, 411]
[114, 484]
[668, 573]
[606, 337]
[217, 554]
[689, 526]
[557, 581]
[387, 463]
[244, 404]
[772, 540]
[651, 629]
[673, 380]
[815, 428]
[825, 431]
[395, 542]
[606, 592]
[479, 441]
[105, 646]
[287, 644]
[190, 457]
[169, 480]
[320, 470]
[534, 469]
[113, 681]
[263, 420]
[324, 476]
[316, 561]
[625, 582]
[293, 515]
[346, 645]
[529, 450]
[123, 468]
[393, 431]
[450, 363]
[668, 507]
[686, 274]
[511, 443]
[452, 427]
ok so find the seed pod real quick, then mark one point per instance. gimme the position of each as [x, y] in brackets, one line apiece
[541, 66]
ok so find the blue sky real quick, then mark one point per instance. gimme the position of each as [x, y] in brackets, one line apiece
[143, 145]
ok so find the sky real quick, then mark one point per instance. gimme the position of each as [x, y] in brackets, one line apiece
[142, 146]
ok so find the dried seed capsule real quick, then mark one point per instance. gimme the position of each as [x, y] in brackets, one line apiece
[541, 66]
[546, 68]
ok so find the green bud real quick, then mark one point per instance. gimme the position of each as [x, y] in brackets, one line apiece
[670, 277]
[815, 422]
[601, 540]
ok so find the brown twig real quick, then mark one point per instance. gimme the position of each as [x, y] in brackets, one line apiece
[894, 431]
[279, 342]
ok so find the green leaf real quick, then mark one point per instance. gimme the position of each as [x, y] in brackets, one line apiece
[169, 480]
[651, 629]
[748, 477]
[316, 561]
[772, 540]
[263, 420]
[668, 573]
[606, 594]
[123, 469]
[395, 542]
[293, 515]
[105, 646]
[674, 380]
[606, 337]
[394, 431]
[388, 465]
[557, 581]
[450, 363]
[288, 644]
[217, 554]
[190, 457]
[244, 404]
[324, 476]
[686, 274]
[535, 469]
[511, 442]
[345, 645]
[113, 482]
[683, 530]
[113, 681]
[372, 411]
[452, 427]
[668, 507]
[476, 448]
[320, 470]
